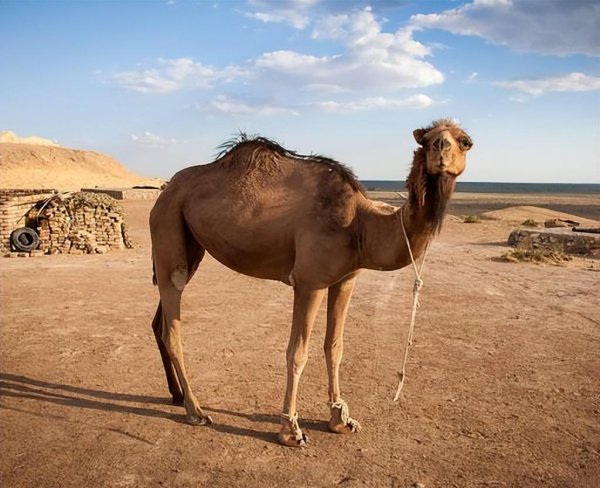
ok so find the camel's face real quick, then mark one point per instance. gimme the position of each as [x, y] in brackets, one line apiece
[446, 148]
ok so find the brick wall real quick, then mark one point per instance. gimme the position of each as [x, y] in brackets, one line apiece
[14, 206]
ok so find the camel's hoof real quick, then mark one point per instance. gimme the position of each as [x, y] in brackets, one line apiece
[340, 422]
[290, 434]
[351, 426]
[292, 440]
[198, 419]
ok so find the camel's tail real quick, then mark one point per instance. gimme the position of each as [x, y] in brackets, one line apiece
[154, 280]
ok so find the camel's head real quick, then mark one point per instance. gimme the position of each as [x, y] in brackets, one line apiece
[436, 164]
[445, 145]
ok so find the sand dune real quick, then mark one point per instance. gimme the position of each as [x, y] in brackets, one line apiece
[25, 165]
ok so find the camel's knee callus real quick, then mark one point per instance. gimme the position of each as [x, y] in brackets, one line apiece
[179, 277]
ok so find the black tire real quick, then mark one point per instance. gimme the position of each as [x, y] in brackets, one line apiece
[25, 239]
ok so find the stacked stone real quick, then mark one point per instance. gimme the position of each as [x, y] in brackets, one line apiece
[84, 223]
[14, 206]
[567, 241]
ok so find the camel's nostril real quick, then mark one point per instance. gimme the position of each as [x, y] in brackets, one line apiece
[441, 144]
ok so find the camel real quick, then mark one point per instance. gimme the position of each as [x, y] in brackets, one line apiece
[270, 213]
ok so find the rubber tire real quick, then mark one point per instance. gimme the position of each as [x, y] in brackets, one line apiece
[25, 239]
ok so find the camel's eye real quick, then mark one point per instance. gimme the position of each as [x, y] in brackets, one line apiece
[465, 143]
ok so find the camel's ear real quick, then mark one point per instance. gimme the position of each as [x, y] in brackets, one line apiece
[419, 135]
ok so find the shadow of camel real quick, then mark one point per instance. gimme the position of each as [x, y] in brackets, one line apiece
[17, 386]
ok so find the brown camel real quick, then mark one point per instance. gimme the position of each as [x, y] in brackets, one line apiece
[268, 212]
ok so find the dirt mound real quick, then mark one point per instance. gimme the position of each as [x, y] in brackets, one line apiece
[39, 166]
[9, 136]
[538, 214]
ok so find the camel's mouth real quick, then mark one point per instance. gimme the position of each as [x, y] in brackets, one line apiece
[444, 165]
[452, 173]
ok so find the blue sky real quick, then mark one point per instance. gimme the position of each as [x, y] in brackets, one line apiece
[160, 84]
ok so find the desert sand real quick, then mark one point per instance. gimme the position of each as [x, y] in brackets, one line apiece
[502, 386]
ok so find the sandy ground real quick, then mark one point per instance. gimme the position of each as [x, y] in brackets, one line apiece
[502, 389]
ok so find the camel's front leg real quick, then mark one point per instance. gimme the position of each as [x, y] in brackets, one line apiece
[306, 305]
[337, 308]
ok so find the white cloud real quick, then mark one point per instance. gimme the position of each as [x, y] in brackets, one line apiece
[377, 103]
[292, 62]
[148, 139]
[473, 76]
[324, 88]
[300, 13]
[229, 105]
[369, 62]
[573, 82]
[292, 12]
[176, 74]
[552, 27]
[295, 19]
[369, 59]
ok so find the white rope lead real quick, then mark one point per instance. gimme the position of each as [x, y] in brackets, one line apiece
[416, 289]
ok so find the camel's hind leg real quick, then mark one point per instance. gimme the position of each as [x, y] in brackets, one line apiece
[170, 373]
[176, 257]
[195, 253]
[337, 307]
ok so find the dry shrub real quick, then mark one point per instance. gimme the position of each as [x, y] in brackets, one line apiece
[529, 223]
[470, 219]
[537, 256]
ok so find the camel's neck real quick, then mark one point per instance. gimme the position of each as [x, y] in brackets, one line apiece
[384, 246]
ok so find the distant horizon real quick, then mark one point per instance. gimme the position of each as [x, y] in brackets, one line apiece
[460, 180]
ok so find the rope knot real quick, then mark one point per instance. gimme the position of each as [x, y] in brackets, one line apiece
[294, 426]
[418, 285]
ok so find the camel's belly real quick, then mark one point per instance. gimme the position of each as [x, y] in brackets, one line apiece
[274, 266]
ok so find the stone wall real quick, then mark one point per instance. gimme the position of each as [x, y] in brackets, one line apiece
[14, 206]
[84, 223]
[564, 240]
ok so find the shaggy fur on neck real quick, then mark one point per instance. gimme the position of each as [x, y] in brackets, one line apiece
[430, 192]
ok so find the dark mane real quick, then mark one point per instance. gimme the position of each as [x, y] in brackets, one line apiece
[430, 191]
[242, 140]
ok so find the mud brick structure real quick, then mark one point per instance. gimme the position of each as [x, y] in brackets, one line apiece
[14, 206]
[73, 223]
